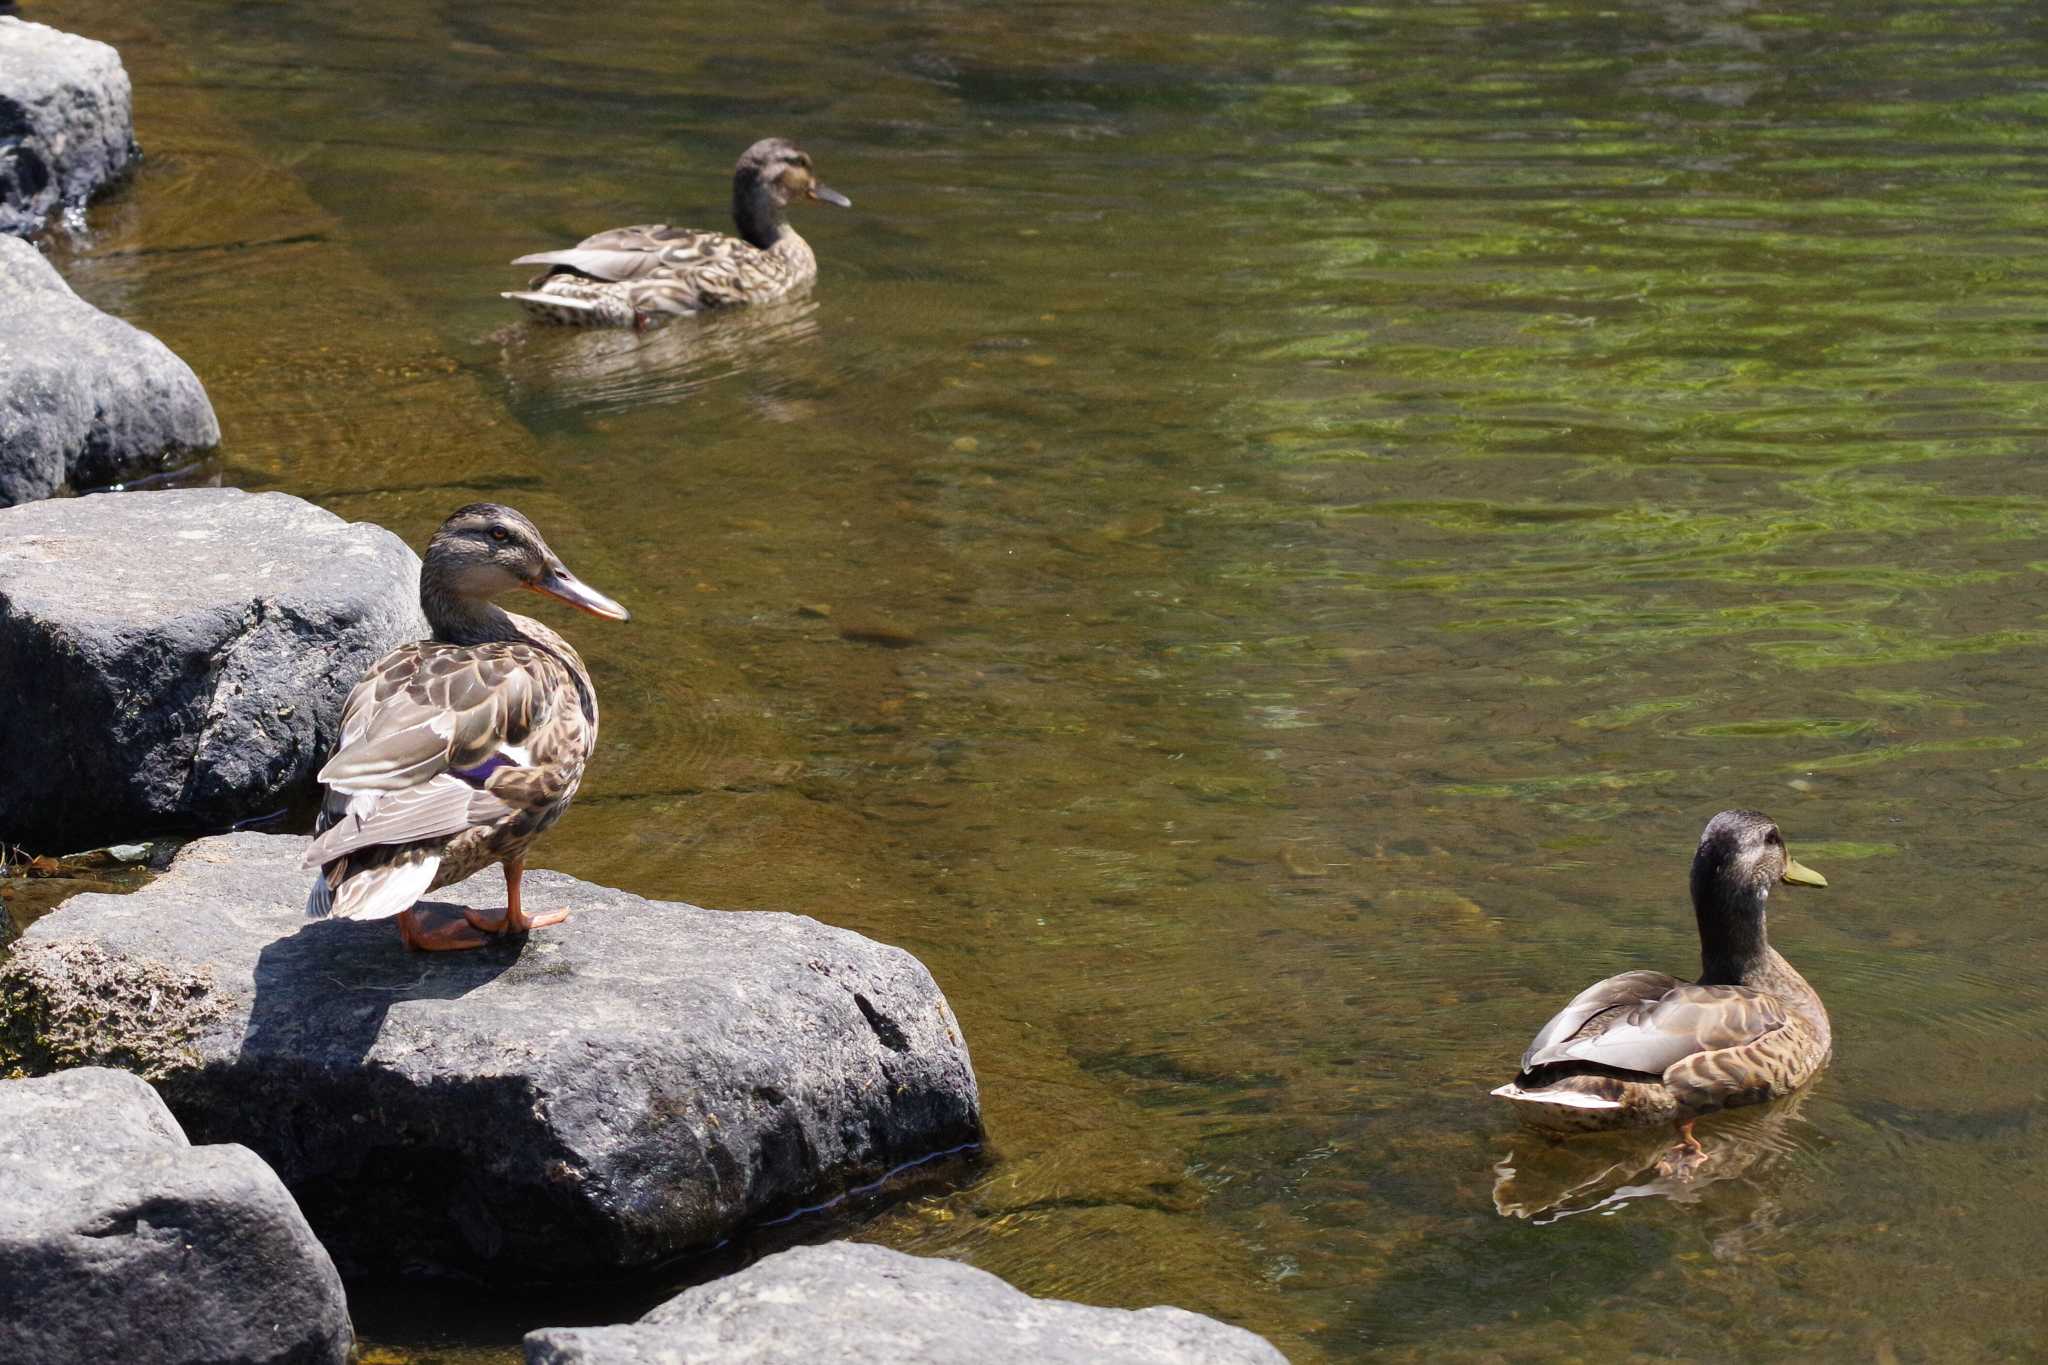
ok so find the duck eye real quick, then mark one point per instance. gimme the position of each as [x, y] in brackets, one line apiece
[500, 533]
[1772, 838]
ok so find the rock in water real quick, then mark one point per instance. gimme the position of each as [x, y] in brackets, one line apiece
[121, 1241]
[179, 659]
[848, 1304]
[66, 122]
[636, 1083]
[85, 399]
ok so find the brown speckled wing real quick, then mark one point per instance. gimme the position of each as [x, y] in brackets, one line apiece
[649, 252]
[1601, 1000]
[441, 806]
[428, 708]
[635, 273]
[716, 273]
[428, 714]
[1650, 1036]
[1776, 1063]
[645, 237]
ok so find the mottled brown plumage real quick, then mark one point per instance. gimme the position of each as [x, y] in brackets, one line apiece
[629, 276]
[1645, 1048]
[459, 751]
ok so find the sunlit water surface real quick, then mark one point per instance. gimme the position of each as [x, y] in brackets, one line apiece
[1276, 529]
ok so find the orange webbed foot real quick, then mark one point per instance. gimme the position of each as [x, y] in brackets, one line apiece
[1683, 1161]
[512, 921]
[443, 935]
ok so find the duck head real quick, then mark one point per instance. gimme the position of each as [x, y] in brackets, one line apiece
[771, 175]
[487, 549]
[1740, 858]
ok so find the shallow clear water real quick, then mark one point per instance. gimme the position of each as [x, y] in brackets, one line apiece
[1362, 485]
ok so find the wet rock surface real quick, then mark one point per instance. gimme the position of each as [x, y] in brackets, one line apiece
[635, 1083]
[849, 1302]
[85, 399]
[67, 124]
[178, 660]
[121, 1241]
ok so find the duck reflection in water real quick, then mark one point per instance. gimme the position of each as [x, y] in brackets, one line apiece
[773, 345]
[1544, 1178]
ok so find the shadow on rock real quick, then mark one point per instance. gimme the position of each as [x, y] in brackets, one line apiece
[325, 991]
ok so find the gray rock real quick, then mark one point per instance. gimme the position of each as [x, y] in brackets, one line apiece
[178, 660]
[635, 1083]
[853, 1303]
[121, 1241]
[67, 125]
[85, 399]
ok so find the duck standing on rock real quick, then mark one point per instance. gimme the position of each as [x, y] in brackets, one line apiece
[459, 751]
[1646, 1048]
[632, 275]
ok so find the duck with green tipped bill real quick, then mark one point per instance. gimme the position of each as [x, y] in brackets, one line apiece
[1646, 1048]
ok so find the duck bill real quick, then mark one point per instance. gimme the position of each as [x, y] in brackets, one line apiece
[564, 586]
[1799, 874]
[825, 194]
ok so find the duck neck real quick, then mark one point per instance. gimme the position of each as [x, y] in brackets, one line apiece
[459, 620]
[1734, 948]
[1782, 980]
[760, 219]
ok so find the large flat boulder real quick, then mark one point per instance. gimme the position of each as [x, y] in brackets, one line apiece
[635, 1083]
[85, 399]
[119, 1240]
[847, 1303]
[177, 660]
[67, 125]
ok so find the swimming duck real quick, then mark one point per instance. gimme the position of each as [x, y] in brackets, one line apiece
[459, 751]
[1645, 1048]
[629, 276]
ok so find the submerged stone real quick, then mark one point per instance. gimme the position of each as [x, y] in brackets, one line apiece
[635, 1083]
[119, 1240]
[878, 630]
[66, 121]
[85, 398]
[178, 660]
[847, 1303]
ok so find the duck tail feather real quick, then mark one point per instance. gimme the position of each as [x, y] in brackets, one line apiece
[1566, 1098]
[563, 308]
[320, 900]
[385, 890]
